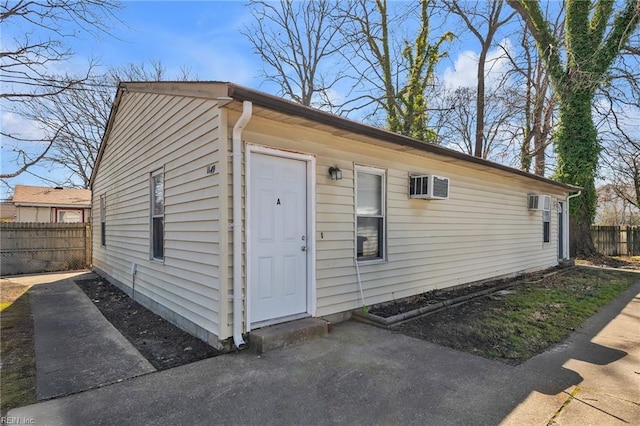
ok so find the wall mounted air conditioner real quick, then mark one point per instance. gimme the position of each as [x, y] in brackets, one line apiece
[429, 187]
[539, 202]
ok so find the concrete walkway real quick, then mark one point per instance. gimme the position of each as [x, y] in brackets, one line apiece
[76, 347]
[364, 375]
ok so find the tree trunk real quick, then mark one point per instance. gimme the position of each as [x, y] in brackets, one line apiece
[479, 140]
[525, 152]
[581, 240]
[577, 162]
[539, 143]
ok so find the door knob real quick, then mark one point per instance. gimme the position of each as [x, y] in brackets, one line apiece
[303, 248]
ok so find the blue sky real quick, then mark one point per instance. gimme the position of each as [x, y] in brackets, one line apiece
[203, 36]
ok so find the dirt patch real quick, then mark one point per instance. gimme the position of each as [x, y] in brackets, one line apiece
[513, 326]
[621, 262]
[399, 306]
[160, 342]
[453, 327]
[407, 304]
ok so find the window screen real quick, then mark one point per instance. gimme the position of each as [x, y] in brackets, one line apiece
[370, 212]
[157, 215]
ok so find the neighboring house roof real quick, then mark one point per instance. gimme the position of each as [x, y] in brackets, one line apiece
[226, 93]
[7, 212]
[609, 189]
[42, 196]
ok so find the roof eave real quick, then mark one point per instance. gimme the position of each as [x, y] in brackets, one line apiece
[58, 206]
[240, 93]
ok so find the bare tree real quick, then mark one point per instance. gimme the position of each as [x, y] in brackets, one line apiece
[621, 140]
[538, 101]
[154, 70]
[26, 60]
[483, 19]
[617, 109]
[393, 70]
[298, 43]
[457, 123]
[456, 130]
[621, 147]
[539, 109]
[74, 121]
[614, 210]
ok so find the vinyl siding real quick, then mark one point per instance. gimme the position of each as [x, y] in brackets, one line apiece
[179, 135]
[482, 231]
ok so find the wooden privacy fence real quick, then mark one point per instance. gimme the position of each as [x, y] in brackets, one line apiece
[28, 248]
[617, 240]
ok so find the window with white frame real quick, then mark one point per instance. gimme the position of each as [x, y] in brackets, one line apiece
[103, 220]
[546, 226]
[69, 216]
[157, 215]
[370, 213]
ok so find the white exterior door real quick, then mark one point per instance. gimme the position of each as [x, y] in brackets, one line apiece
[278, 238]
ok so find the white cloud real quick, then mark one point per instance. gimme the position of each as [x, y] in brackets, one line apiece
[15, 124]
[464, 72]
[465, 68]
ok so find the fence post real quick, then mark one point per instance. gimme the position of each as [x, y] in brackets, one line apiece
[88, 247]
[633, 240]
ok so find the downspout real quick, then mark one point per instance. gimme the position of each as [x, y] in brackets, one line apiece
[568, 227]
[237, 223]
[573, 196]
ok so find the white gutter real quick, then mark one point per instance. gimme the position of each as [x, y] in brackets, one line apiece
[574, 195]
[568, 210]
[237, 223]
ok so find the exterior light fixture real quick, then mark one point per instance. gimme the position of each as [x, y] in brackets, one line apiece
[335, 173]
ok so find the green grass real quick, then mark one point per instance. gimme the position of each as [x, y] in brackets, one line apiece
[18, 380]
[541, 314]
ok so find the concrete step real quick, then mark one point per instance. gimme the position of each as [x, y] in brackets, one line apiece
[287, 334]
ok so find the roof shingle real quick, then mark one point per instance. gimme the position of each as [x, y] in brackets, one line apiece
[44, 196]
